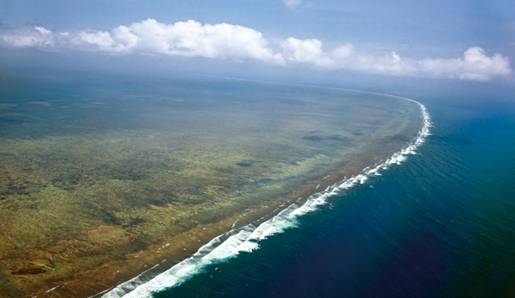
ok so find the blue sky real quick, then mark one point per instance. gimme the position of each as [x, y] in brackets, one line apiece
[412, 29]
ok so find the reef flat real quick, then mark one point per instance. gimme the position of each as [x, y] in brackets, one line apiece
[103, 179]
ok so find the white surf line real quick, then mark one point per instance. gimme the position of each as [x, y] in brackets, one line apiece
[247, 238]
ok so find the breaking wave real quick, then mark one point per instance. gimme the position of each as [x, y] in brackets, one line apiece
[247, 238]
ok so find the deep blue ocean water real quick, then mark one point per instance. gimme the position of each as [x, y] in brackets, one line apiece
[440, 225]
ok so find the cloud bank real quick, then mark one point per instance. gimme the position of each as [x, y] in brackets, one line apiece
[234, 42]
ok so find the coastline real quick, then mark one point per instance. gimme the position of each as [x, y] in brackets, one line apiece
[171, 251]
[157, 258]
[257, 230]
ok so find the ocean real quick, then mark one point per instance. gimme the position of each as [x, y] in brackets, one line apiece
[439, 225]
[434, 220]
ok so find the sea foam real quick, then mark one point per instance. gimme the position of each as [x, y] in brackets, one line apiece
[247, 238]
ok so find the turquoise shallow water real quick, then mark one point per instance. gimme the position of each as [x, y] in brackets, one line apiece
[440, 225]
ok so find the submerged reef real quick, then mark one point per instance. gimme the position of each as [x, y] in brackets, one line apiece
[97, 183]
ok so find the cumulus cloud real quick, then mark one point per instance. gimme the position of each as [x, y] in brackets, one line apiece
[474, 65]
[36, 36]
[190, 39]
[234, 42]
[308, 51]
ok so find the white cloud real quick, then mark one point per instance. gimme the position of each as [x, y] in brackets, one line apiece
[190, 38]
[234, 42]
[308, 51]
[292, 4]
[478, 66]
[36, 36]
[343, 51]
[474, 65]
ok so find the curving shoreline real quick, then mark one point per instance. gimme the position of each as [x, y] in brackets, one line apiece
[246, 238]
[349, 130]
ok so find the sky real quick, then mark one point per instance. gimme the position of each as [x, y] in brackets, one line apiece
[453, 40]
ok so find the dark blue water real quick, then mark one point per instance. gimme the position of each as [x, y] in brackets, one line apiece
[440, 225]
